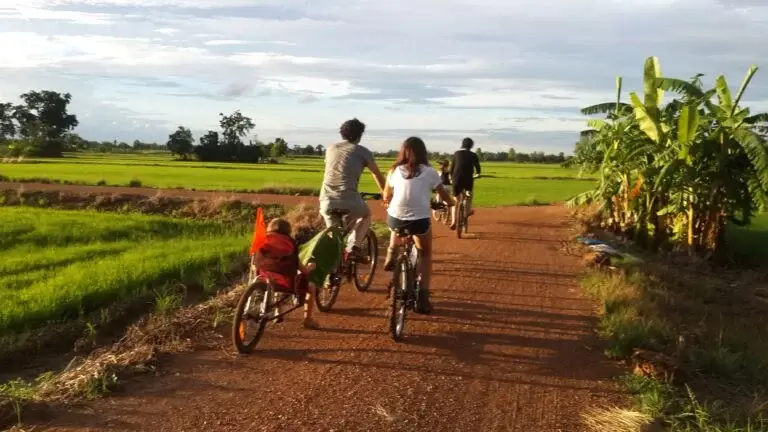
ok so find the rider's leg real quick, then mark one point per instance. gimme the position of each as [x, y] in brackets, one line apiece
[455, 210]
[328, 219]
[424, 243]
[394, 242]
[469, 203]
[362, 217]
[309, 306]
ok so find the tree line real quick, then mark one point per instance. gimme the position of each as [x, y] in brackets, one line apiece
[42, 126]
[510, 155]
[229, 144]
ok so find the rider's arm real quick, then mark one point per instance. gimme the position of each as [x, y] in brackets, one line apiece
[380, 180]
[307, 269]
[477, 164]
[370, 163]
[444, 195]
[386, 191]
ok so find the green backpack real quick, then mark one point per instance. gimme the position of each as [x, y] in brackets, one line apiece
[325, 250]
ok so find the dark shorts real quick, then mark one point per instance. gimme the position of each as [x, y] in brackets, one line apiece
[416, 227]
[461, 184]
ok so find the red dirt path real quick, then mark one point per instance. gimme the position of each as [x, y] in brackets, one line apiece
[510, 346]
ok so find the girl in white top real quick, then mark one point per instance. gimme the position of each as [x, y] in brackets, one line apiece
[408, 192]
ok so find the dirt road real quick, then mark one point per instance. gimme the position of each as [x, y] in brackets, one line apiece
[510, 346]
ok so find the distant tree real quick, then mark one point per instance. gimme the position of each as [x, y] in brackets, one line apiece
[279, 148]
[73, 142]
[480, 154]
[234, 127]
[208, 150]
[41, 122]
[308, 150]
[319, 150]
[181, 143]
[7, 125]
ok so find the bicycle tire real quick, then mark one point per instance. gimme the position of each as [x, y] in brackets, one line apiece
[399, 300]
[238, 337]
[373, 249]
[333, 293]
[460, 219]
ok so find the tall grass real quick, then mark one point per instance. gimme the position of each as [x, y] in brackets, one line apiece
[58, 265]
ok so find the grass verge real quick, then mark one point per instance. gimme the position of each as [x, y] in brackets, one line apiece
[694, 340]
[78, 277]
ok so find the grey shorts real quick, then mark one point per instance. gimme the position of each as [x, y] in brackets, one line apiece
[357, 209]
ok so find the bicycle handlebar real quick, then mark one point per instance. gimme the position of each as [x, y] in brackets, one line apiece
[373, 196]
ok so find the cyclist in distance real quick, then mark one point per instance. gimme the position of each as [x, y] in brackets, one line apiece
[408, 193]
[344, 163]
[463, 167]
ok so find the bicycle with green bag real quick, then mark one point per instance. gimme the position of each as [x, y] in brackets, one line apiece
[360, 272]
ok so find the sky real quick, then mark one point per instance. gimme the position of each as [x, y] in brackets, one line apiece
[508, 73]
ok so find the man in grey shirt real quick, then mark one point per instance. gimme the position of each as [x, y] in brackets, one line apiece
[344, 163]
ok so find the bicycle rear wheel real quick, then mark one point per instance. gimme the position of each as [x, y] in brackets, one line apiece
[250, 315]
[460, 219]
[402, 280]
[362, 272]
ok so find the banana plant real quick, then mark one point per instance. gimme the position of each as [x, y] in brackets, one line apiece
[677, 170]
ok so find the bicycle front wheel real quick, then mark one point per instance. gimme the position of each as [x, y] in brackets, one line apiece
[328, 293]
[250, 316]
[362, 272]
[402, 280]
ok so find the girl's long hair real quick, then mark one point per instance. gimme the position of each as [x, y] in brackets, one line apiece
[413, 154]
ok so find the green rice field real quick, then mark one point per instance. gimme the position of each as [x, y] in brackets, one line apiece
[502, 183]
[59, 265]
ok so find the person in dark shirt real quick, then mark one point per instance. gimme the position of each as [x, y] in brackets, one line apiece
[464, 165]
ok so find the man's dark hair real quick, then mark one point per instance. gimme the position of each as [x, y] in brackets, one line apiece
[352, 130]
[467, 143]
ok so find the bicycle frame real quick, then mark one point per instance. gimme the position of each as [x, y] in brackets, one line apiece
[267, 308]
[405, 284]
[464, 196]
[412, 255]
[346, 224]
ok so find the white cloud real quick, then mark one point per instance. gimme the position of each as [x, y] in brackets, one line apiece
[32, 14]
[512, 72]
[222, 42]
[167, 31]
